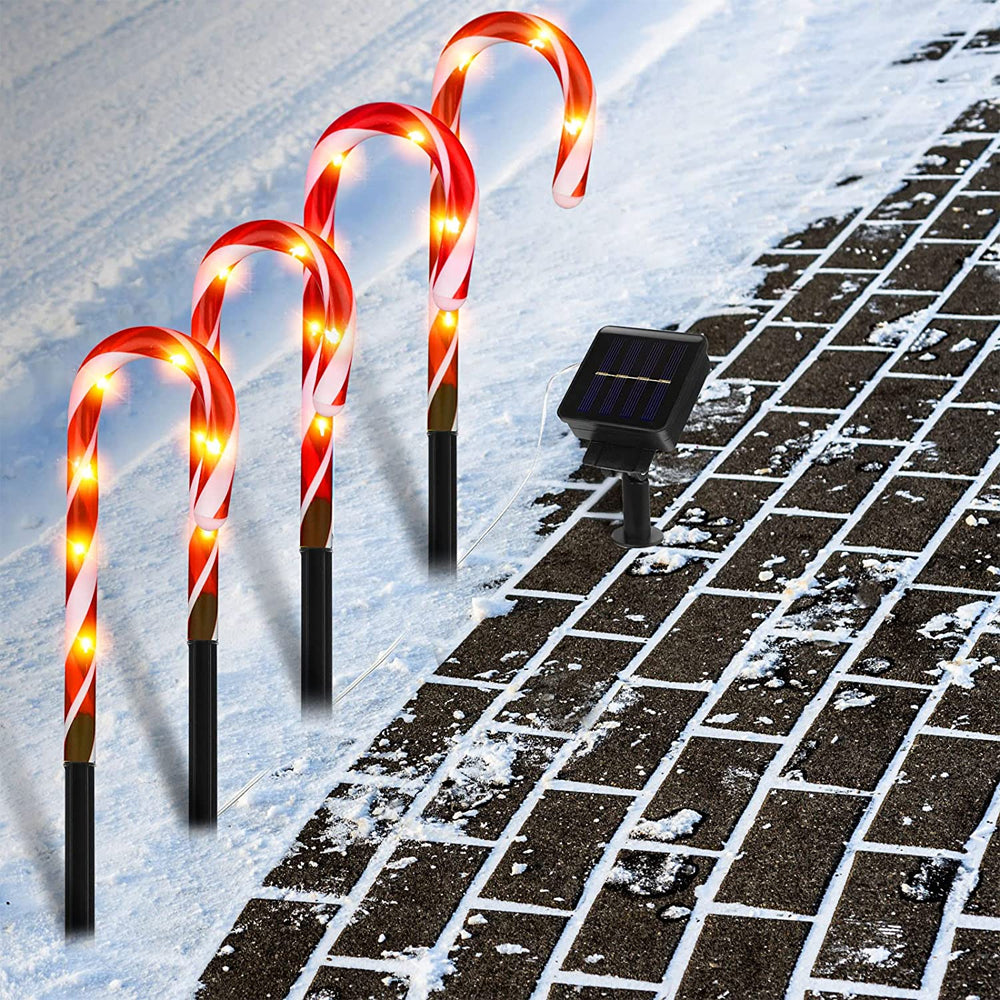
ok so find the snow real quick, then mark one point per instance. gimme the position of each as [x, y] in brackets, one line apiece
[892, 333]
[136, 133]
[954, 624]
[679, 824]
[853, 698]
[960, 670]
[512, 949]
[659, 562]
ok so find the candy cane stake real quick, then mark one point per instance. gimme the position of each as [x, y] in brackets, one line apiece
[451, 248]
[327, 352]
[211, 486]
[568, 187]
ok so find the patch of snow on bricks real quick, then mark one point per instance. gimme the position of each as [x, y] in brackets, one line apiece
[644, 876]
[679, 535]
[660, 561]
[361, 816]
[853, 698]
[681, 824]
[955, 624]
[892, 333]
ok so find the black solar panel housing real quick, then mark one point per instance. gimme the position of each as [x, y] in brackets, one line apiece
[636, 387]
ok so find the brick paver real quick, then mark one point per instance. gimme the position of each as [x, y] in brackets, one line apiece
[762, 760]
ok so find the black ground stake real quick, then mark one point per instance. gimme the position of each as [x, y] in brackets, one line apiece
[203, 801]
[317, 629]
[630, 398]
[636, 531]
[442, 513]
[79, 847]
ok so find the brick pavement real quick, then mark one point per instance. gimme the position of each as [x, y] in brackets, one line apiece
[762, 760]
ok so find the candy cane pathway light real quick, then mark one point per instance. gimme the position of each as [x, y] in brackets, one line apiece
[452, 244]
[327, 352]
[211, 486]
[631, 397]
[568, 187]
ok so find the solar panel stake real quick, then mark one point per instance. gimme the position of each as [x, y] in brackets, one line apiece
[630, 398]
[636, 532]
[442, 510]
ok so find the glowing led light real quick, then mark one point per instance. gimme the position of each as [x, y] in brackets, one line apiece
[415, 136]
[573, 125]
[207, 532]
[86, 643]
[199, 436]
[333, 336]
[178, 359]
[452, 224]
[321, 425]
[338, 159]
[224, 273]
[78, 548]
[537, 43]
[103, 382]
[315, 326]
[213, 446]
[466, 62]
[298, 251]
[448, 319]
[88, 472]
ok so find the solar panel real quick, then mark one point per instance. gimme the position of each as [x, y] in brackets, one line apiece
[636, 387]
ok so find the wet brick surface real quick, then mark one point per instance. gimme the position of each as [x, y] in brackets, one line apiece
[264, 953]
[704, 794]
[886, 922]
[856, 735]
[805, 831]
[555, 850]
[412, 898]
[652, 895]
[726, 960]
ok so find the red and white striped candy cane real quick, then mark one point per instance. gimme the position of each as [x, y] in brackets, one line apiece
[212, 483]
[327, 353]
[453, 243]
[569, 183]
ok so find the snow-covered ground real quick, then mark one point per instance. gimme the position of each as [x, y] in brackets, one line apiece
[133, 135]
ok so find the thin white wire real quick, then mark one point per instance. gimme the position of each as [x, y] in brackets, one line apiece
[385, 654]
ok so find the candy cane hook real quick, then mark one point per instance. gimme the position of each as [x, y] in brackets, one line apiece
[569, 183]
[451, 244]
[211, 487]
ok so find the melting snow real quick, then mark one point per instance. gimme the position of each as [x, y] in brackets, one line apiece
[853, 698]
[680, 824]
[660, 561]
[956, 624]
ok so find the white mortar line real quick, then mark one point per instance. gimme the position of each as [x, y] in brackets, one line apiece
[959, 734]
[977, 923]
[863, 989]
[503, 906]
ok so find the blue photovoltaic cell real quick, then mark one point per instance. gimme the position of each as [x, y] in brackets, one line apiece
[661, 390]
[632, 379]
[631, 356]
[639, 387]
[598, 381]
